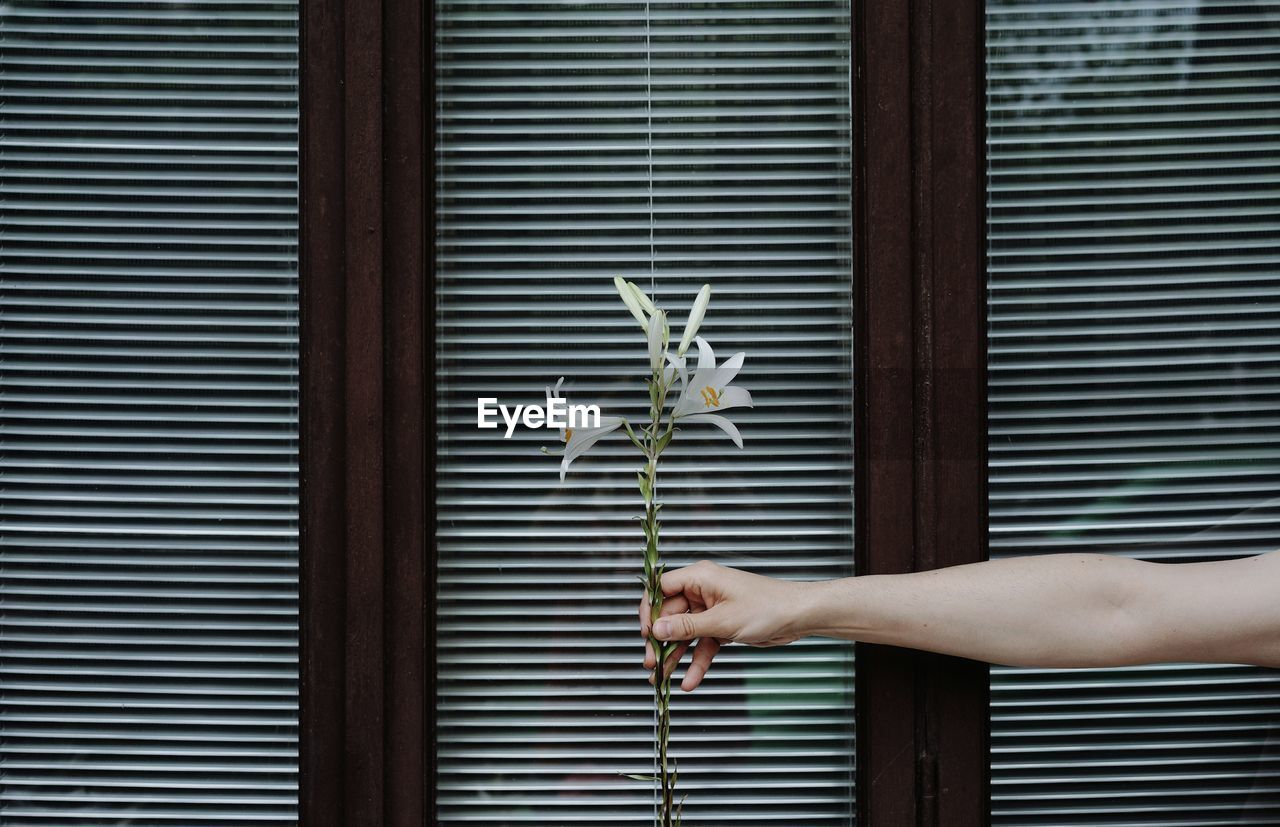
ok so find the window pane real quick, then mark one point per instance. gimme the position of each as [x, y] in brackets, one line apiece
[544, 124]
[148, 423]
[1134, 355]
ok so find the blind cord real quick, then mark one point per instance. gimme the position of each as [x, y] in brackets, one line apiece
[648, 135]
[648, 144]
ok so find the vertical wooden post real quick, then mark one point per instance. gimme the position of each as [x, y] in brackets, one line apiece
[921, 428]
[363, 464]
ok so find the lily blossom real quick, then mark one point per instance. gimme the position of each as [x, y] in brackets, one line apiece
[577, 440]
[707, 391]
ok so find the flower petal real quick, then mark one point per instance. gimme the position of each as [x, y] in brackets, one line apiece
[584, 438]
[692, 401]
[690, 396]
[706, 356]
[678, 364]
[689, 402]
[724, 374]
[720, 422]
[734, 397]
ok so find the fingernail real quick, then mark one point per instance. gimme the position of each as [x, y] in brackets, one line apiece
[661, 630]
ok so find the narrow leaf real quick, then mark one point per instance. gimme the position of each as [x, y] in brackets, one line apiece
[634, 439]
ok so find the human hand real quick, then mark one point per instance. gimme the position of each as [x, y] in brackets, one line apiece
[717, 605]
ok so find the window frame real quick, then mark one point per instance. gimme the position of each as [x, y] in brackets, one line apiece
[921, 479]
[365, 626]
[367, 184]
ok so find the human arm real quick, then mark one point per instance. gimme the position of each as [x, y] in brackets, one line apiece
[1057, 610]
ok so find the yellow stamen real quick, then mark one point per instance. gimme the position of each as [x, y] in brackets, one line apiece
[711, 397]
[568, 434]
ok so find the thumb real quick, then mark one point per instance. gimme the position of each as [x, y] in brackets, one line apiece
[690, 625]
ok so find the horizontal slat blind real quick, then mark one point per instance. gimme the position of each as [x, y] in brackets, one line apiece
[1134, 204]
[544, 121]
[148, 416]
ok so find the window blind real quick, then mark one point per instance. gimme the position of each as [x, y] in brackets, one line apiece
[673, 144]
[1134, 203]
[148, 412]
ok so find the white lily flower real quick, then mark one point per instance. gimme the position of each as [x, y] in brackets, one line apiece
[629, 292]
[707, 391]
[658, 333]
[577, 440]
[696, 315]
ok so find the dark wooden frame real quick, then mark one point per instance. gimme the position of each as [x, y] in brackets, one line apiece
[367, 172]
[363, 463]
[920, 420]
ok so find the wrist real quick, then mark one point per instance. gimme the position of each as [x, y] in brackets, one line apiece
[812, 607]
[832, 608]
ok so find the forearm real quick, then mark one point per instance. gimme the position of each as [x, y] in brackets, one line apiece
[1057, 610]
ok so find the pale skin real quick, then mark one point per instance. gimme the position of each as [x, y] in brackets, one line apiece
[1054, 610]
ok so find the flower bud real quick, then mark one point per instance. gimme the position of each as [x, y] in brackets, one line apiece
[630, 300]
[657, 341]
[695, 318]
[644, 300]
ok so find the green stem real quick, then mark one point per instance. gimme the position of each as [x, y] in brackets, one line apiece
[653, 445]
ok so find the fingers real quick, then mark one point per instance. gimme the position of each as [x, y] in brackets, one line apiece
[670, 606]
[687, 579]
[694, 625]
[700, 663]
[683, 591]
[707, 649]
